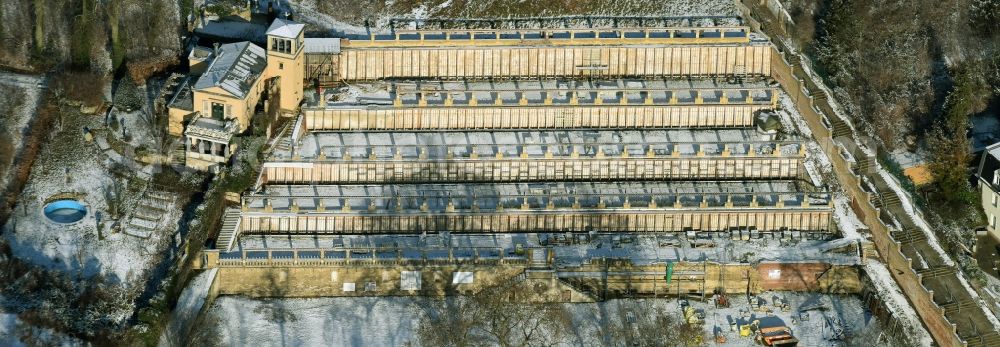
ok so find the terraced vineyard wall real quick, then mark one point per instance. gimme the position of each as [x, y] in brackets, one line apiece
[520, 62]
[294, 275]
[776, 220]
[529, 169]
[540, 117]
[831, 133]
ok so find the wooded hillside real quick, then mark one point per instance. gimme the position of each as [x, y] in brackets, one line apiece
[94, 35]
[910, 73]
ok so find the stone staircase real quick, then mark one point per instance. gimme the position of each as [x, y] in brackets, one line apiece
[840, 128]
[865, 163]
[991, 338]
[909, 235]
[890, 199]
[539, 258]
[230, 230]
[868, 251]
[282, 141]
[177, 153]
[936, 271]
[580, 289]
[283, 144]
[885, 199]
[973, 326]
[818, 95]
[146, 217]
[794, 59]
[178, 157]
[963, 304]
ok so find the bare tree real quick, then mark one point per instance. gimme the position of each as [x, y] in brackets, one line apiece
[493, 317]
[641, 324]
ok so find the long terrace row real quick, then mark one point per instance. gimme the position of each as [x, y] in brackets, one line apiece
[528, 96]
[533, 144]
[615, 58]
[363, 118]
[527, 196]
[553, 36]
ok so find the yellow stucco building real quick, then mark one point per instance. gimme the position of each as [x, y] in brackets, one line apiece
[226, 85]
[285, 62]
[989, 187]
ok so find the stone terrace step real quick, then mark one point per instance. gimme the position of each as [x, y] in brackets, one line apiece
[963, 304]
[153, 205]
[139, 223]
[991, 338]
[936, 271]
[230, 228]
[147, 214]
[909, 235]
[160, 196]
[890, 199]
[818, 94]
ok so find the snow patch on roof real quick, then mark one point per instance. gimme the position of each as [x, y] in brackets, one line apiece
[321, 45]
[235, 68]
[285, 28]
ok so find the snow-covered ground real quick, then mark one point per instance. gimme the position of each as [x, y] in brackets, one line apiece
[817, 164]
[16, 333]
[394, 321]
[306, 11]
[188, 307]
[136, 127]
[851, 227]
[885, 286]
[340, 20]
[890, 293]
[69, 165]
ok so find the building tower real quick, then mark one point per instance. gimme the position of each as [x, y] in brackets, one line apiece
[285, 62]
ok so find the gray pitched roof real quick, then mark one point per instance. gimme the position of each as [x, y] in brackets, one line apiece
[234, 69]
[285, 28]
[989, 164]
[182, 98]
[321, 45]
[232, 31]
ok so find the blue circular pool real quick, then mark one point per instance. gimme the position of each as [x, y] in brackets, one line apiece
[65, 211]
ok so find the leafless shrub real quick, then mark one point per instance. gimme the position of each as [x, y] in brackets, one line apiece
[140, 70]
[83, 87]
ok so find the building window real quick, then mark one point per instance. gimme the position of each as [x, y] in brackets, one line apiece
[993, 199]
[281, 46]
[993, 221]
[218, 110]
[281, 66]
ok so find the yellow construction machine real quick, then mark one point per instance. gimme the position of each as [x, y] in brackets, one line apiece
[780, 336]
